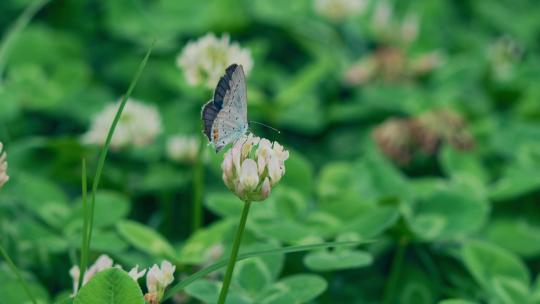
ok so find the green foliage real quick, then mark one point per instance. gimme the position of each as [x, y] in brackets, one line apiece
[145, 239]
[434, 223]
[113, 286]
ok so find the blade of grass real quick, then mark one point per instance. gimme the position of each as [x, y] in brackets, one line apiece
[18, 274]
[105, 149]
[16, 29]
[223, 262]
[198, 187]
[84, 249]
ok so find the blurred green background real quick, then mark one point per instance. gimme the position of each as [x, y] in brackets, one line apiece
[415, 124]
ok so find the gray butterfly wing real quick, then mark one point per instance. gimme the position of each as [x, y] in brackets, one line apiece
[225, 117]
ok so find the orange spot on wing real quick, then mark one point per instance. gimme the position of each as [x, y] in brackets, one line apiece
[216, 134]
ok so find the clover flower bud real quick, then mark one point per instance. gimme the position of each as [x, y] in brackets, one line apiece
[3, 166]
[157, 279]
[103, 262]
[135, 274]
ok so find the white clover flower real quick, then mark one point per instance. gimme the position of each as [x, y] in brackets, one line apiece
[409, 28]
[3, 166]
[182, 149]
[253, 166]
[135, 274]
[338, 10]
[203, 61]
[157, 279]
[382, 16]
[504, 55]
[138, 126]
[103, 262]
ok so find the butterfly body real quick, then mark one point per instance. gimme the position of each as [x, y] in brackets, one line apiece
[225, 116]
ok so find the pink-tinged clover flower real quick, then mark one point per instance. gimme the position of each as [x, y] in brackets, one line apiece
[157, 280]
[253, 166]
[3, 166]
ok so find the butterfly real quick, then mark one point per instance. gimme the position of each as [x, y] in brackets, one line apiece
[225, 116]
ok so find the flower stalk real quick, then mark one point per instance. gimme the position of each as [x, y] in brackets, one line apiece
[234, 254]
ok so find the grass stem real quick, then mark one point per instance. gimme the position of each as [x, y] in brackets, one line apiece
[198, 186]
[105, 150]
[18, 274]
[84, 249]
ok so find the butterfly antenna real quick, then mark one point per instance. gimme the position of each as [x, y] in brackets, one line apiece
[260, 123]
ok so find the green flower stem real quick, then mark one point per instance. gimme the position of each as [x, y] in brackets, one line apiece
[18, 274]
[234, 254]
[397, 264]
[198, 186]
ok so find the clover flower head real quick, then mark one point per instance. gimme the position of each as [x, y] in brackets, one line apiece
[426, 62]
[432, 128]
[504, 55]
[103, 262]
[3, 166]
[138, 126]
[338, 10]
[253, 166]
[157, 279]
[409, 28]
[204, 60]
[394, 139]
[135, 274]
[182, 149]
[382, 16]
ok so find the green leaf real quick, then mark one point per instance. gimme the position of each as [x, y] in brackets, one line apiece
[289, 203]
[208, 292]
[457, 163]
[337, 260]
[194, 249]
[300, 174]
[200, 274]
[13, 292]
[515, 182]
[372, 221]
[518, 235]
[112, 286]
[300, 288]
[456, 301]
[448, 211]
[285, 230]
[488, 264]
[509, 290]
[146, 239]
[109, 209]
[224, 204]
[41, 197]
[252, 276]
[416, 293]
